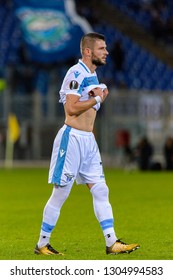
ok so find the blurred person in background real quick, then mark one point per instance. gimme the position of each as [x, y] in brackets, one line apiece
[117, 55]
[168, 153]
[143, 154]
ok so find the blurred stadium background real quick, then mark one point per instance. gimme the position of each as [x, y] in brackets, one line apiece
[39, 40]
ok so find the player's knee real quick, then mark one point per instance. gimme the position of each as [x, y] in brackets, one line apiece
[100, 191]
[62, 193]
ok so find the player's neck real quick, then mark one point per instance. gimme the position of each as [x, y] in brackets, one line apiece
[89, 64]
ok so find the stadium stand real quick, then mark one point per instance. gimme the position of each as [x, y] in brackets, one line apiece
[139, 62]
[146, 66]
[155, 16]
[10, 38]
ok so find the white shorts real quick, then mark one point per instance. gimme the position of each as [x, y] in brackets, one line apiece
[75, 156]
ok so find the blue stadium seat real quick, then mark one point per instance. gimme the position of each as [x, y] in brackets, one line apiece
[141, 69]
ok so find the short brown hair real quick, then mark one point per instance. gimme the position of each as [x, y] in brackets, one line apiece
[88, 40]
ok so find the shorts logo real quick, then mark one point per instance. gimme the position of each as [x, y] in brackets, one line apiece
[62, 152]
[69, 177]
[73, 85]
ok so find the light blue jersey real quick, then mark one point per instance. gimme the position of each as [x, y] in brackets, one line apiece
[79, 81]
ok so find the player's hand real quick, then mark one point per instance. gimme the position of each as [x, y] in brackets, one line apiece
[98, 92]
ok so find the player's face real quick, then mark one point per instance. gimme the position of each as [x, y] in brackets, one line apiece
[99, 53]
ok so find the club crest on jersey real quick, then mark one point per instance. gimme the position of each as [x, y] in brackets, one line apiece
[69, 177]
[73, 85]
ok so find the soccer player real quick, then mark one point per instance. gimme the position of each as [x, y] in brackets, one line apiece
[75, 154]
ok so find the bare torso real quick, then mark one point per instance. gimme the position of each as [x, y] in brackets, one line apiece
[84, 121]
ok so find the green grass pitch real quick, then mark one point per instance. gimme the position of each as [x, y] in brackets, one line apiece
[142, 205]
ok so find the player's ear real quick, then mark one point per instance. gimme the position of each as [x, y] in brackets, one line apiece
[87, 51]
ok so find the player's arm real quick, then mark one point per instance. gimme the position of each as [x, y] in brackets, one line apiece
[75, 107]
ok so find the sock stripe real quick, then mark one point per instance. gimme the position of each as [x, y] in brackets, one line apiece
[46, 227]
[107, 224]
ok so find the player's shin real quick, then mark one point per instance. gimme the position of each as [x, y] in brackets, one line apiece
[52, 211]
[103, 211]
